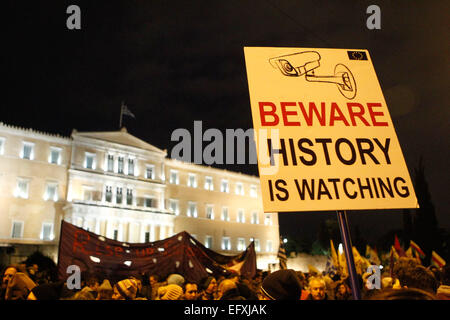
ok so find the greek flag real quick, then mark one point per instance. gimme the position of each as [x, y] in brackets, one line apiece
[127, 111]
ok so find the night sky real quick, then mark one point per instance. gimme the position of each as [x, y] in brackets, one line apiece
[174, 62]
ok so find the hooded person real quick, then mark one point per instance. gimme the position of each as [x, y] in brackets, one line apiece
[170, 292]
[19, 287]
[125, 290]
[281, 285]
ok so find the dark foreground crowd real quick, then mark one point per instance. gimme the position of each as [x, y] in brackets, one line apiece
[409, 281]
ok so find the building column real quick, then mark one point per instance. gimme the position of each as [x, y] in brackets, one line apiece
[162, 232]
[152, 232]
[120, 233]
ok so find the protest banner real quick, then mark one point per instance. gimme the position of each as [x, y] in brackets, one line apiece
[118, 260]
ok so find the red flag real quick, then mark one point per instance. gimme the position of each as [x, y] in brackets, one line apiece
[398, 248]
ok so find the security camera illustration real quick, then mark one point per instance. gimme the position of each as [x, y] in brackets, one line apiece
[305, 63]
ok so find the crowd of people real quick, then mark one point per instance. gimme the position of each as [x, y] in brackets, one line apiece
[408, 280]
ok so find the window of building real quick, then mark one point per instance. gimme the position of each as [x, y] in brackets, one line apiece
[110, 163]
[147, 236]
[268, 219]
[241, 244]
[208, 242]
[116, 234]
[224, 187]
[131, 167]
[253, 191]
[2, 145]
[27, 150]
[129, 196]
[239, 189]
[269, 247]
[173, 206]
[150, 171]
[55, 155]
[209, 185]
[257, 245]
[119, 196]
[174, 178]
[255, 218]
[47, 231]
[120, 165]
[241, 216]
[149, 202]
[89, 160]
[192, 180]
[22, 188]
[88, 193]
[17, 229]
[225, 215]
[108, 194]
[226, 243]
[192, 209]
[51, 191]
[209, 212]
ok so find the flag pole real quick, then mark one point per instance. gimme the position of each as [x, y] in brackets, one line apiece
[121, 114]
[347, 241]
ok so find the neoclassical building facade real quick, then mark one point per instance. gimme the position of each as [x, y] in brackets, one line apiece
[121, 187]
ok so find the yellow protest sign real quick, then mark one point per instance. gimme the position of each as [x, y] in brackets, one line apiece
[325, 139]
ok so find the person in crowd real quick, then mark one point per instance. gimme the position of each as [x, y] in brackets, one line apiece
[190, 291]
[208, 286]
[228, 290]
[417, 277]
[170, 292]
[89, 291]
[19, 287]
[105, 291]
[244, 286]
[138, 279]
[7, 275]
[154, 285]
[316, 288]
[51, 291]
[402, 294]
[281, 285]
[175, 278]
[443, 291]
[125, 290]
[342, 291]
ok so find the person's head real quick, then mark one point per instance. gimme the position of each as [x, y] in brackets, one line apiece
[418, 277]
[175, 278]
[125, 290]
[402, 294]
[153, 279]
[170, 292]
[190, 291]
[209, 284]
[8, 274]
[281, 285]
[317, 288]
[225, 286]
[92, 282]
[342, 288]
